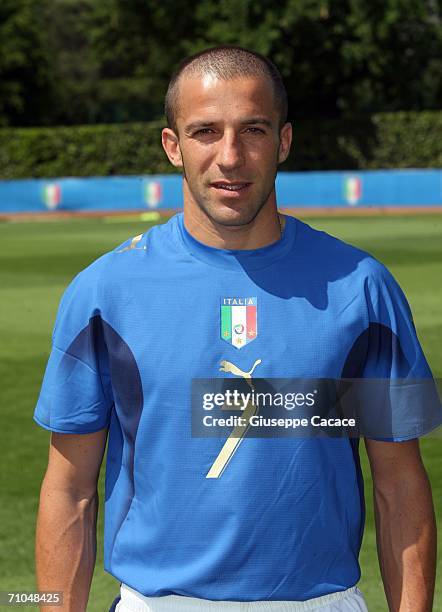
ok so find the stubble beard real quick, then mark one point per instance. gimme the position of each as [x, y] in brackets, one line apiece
[207, 207]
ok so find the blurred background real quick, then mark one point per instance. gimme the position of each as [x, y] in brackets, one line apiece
[82, 84]
[363, 78]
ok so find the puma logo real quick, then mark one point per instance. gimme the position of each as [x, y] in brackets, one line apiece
[133, 245]
[227, 366]
[238, 433]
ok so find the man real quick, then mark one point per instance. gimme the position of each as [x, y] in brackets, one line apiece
[230, 288]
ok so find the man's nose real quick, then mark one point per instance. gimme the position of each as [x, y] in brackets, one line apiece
[230, 152]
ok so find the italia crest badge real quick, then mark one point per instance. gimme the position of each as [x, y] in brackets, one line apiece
[239, 320]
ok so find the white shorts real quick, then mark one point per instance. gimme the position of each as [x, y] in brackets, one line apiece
[350, 600]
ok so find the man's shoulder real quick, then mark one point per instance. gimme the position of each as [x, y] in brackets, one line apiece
[335, 255]
[135, 252]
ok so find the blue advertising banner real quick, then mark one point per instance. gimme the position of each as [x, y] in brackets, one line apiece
[365, 189]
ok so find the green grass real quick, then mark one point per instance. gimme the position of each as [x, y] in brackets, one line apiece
[37, 260]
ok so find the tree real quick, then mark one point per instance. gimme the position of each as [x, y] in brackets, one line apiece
[110, 61]
[25, 66]
[338, 57]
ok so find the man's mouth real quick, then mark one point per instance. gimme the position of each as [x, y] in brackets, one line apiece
[229, 186]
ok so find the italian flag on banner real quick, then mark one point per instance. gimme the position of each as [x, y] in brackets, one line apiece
[152, 193]
[239, 320]
[51, 194]
[353, 190]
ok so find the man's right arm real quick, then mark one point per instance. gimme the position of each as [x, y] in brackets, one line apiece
[66, 524]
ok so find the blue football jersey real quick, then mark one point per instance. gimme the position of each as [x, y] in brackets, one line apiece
[284, 519]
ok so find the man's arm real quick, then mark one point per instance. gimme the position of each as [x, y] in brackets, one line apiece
[66, 524]
[405, 524]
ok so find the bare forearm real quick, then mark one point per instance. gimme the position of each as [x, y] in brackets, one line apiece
[66, 545]
[406, 538]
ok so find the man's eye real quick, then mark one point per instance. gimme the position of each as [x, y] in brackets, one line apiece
[255, 130]
[203, 131]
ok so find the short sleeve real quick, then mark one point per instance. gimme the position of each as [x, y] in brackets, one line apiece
[76, 393]
[399, 392]
[394, 348]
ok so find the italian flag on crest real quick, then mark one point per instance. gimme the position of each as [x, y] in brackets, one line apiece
[239, 320]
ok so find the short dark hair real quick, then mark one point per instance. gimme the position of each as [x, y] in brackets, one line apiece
[226, 62]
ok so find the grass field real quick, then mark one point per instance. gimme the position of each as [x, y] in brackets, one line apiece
[37, 260]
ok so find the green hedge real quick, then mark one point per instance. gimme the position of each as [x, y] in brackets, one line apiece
[96, 150]
[386, 140]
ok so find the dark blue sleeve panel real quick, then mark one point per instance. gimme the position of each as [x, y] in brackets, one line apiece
[398, 398]
[90, 366]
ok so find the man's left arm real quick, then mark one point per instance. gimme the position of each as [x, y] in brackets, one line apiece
[405, 524]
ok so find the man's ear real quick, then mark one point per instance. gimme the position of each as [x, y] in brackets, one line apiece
[285, 141]
[171, 145]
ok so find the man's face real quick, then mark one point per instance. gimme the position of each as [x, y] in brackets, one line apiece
[229, 146]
